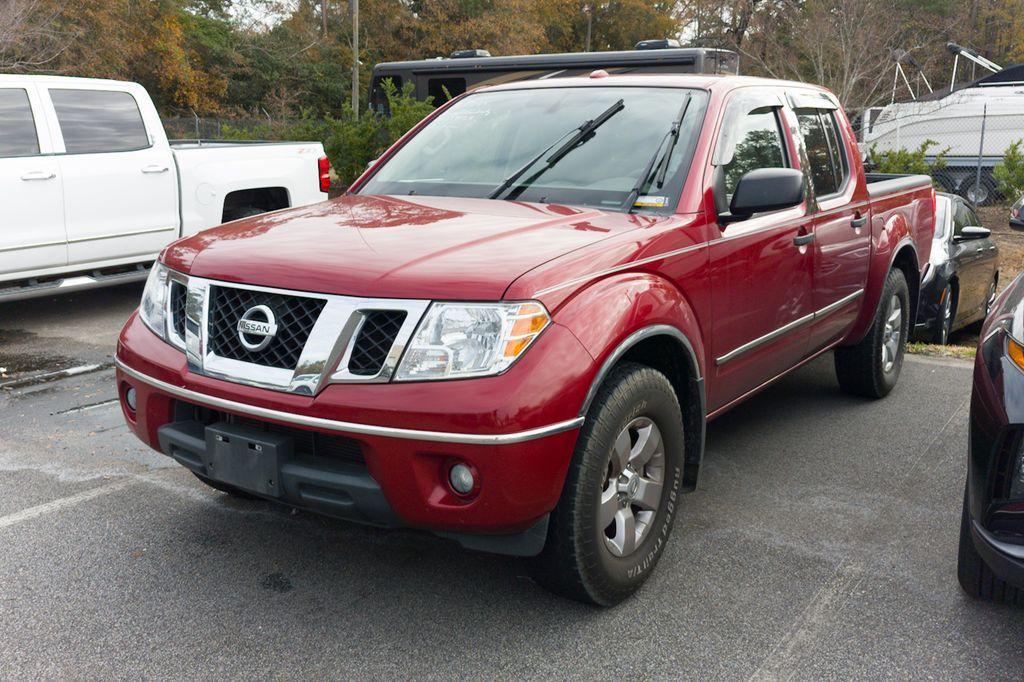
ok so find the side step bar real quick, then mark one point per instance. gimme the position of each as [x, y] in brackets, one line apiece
[73, 281]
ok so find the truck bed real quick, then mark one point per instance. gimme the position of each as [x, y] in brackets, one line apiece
[880, 184]
[201, 143]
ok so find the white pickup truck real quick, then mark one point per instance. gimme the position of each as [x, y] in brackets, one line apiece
[91, 189]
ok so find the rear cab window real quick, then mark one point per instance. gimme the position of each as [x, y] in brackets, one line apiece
[98, 121]
[18, 135]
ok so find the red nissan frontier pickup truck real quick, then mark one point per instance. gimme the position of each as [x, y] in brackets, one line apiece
[513, 328]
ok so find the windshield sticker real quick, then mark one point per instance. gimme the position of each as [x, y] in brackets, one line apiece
[651, 202]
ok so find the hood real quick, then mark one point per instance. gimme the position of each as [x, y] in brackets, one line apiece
[395, 247]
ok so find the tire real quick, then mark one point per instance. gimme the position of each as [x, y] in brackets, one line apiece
[579, 560]
[245, 212]
[225, 488]
[990, 301]
[976, 579]
[946, 314]
[870, 368]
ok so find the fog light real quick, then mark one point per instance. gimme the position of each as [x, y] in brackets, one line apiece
[129, 398]
[460, 477]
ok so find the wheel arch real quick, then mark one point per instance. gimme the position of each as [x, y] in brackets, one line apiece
[668, 350]
[264, 198]
[905, 260]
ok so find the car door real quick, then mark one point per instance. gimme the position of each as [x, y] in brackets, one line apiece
[965, 255]
[32, 236]
[976, 259]
[842, 234]
[120, 189]
[760, 276]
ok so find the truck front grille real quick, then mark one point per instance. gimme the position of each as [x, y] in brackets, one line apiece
[179, 295]
[294, 316]
[376, 337]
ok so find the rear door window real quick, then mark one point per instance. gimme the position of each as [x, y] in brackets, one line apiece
[17, 126]
[823, 153]
[94, 121]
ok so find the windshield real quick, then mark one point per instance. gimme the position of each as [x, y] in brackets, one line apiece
[477, 144]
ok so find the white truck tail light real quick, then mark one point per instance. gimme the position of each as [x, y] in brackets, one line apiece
[323, 165]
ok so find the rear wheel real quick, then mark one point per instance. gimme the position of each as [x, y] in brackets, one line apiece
[976, 579]
[621, 493]
[945, 328]
[871, 367]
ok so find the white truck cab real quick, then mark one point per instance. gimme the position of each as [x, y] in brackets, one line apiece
[91, 189]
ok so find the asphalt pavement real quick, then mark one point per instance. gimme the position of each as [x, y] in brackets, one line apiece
[821, 543]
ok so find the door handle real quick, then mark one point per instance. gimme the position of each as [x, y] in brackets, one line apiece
[858, 221]
[38, 175]
[804, 239]
[155, 169]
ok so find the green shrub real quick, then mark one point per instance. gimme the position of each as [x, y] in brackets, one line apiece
[351, 144]
[907, 161]
[1010, 173]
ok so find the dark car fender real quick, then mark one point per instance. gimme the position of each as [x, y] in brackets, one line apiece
[640, 316]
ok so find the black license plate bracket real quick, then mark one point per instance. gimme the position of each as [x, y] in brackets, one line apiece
[246, 458]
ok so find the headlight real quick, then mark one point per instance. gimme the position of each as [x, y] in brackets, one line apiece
[153, 309]
[1015, 351]
[460, 340]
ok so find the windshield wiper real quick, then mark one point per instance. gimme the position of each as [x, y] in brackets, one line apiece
[579, 136]
[673, 135]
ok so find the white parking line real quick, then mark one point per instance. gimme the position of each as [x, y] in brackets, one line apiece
[71, 500]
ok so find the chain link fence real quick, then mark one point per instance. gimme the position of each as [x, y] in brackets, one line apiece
[959, 140]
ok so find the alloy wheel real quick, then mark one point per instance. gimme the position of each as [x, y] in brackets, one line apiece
[947, 317]
[633, 486]
[990, 301]
[891, 334]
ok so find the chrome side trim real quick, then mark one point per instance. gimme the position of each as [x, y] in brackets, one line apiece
[119, 235]
[351, 427]
[786, 328]
[37, 245]
[619, 268]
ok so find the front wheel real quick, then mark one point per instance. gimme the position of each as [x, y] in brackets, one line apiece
[871, 367]
[945, 327]
[621, 493]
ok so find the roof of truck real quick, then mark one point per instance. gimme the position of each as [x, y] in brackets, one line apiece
[700, 81]
[61, 80]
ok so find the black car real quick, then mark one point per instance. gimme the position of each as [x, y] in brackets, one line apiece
[991, 557]
[1017, 214]
[961, 281]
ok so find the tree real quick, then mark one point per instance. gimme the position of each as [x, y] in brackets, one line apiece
[29, 38]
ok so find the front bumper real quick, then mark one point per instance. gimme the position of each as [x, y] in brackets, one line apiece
[1004, 559]
[517, 430]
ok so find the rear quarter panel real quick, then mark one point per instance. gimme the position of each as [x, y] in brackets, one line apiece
[208, 174]
[901, 220]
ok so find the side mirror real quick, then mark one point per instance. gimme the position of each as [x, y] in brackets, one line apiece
[972, 232]
[766, 189]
